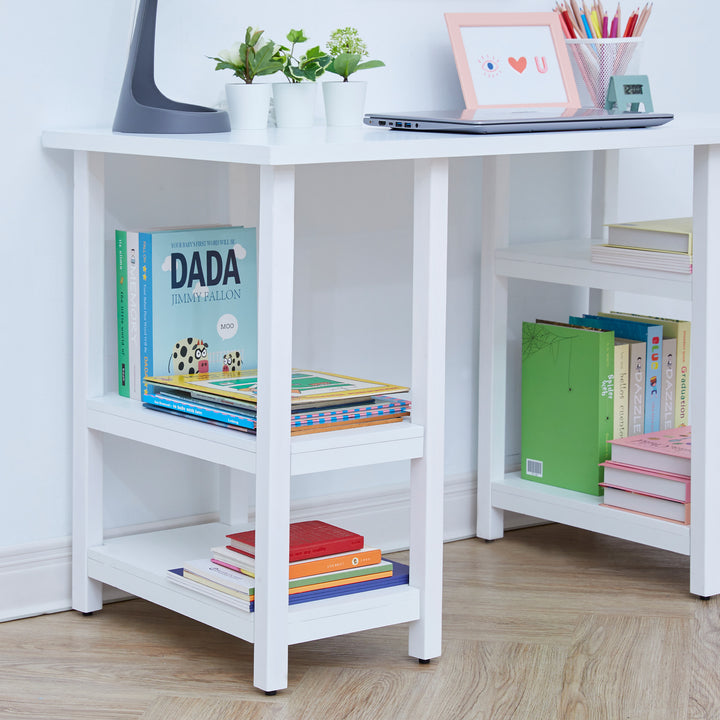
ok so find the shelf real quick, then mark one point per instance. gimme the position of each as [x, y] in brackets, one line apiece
[568, 263]
[137, 564]
[584, 511]
[314, 452]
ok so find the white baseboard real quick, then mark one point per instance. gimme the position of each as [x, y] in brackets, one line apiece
[36, 577]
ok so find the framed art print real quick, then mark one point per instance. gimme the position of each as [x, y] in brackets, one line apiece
[512, 59]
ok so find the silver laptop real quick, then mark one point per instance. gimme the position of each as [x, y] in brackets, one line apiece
[515, 120]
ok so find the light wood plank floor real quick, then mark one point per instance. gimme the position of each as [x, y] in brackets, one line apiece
[548, 623]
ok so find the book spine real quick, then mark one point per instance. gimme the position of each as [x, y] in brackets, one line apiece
[194, 410]
[606, 405]
[133, 261]
[121, 278]
[146, 330]
[653, 378]
[296, 590]
[682, 377]
[330, 547]
[620, 378]
[669, 370]
[636, 381]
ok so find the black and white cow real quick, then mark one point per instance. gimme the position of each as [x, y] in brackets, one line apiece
[189, 356]
[231, 361]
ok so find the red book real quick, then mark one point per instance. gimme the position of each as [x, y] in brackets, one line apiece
[308, 539]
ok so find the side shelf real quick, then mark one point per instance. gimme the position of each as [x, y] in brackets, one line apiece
[585, 511]
[568, 263]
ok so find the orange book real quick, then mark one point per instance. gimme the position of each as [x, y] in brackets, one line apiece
[302, 568]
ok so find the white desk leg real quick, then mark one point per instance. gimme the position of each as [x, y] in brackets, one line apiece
[272, 509]
[428, 385]
[234, 485]
[705, 349]
[88, 371]
[493, 344]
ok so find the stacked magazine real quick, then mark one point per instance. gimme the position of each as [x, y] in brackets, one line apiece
[320, 401]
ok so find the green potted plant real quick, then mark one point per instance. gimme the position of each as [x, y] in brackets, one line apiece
[345, 99]
[248, 102]
[295, 99]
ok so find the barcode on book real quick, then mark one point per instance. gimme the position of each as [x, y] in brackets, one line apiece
[534, 467]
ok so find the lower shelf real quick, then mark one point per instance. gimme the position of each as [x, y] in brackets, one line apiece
[137, 564]
[584, 511]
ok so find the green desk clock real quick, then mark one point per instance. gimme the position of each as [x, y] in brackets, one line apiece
[628, 90]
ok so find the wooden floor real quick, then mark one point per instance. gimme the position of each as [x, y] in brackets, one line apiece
[549, 622]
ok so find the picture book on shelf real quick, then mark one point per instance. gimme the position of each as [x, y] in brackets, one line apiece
[382, 410]
[678, 330]
[197, 300]
[656, 482]
[300, 568]
[128, 313]
[400, 576]
[666, 450]
[646, 504]
[671, 235]
[308, 387]
[567, 404]
[308, 539]
[652, 335]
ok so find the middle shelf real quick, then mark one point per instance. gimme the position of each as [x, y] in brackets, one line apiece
[317, 452]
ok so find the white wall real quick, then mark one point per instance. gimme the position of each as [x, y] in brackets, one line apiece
[62, 65]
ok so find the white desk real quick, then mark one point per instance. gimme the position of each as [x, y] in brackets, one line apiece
[137, 564]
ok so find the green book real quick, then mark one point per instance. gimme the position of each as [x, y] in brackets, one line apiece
[567, 404]
[122, 313]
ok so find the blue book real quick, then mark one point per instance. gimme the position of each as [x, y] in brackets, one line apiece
[400, 576]
[652, 336]
[198, 300]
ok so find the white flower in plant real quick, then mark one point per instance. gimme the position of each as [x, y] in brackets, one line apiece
[232, 55]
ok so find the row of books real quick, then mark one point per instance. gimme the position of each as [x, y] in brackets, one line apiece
[594, 379]
[652, 245]
[187, 336]
[325, 561]
[186, 302]
[649, 474]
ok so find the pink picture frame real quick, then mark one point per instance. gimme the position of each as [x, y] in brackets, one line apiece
[512, 60]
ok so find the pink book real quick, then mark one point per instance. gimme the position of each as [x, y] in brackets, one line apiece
[655, 482]
[666, 450]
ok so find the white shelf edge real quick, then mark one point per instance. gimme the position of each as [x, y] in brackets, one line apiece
[314, 452]
[138, 564]
[568, 262]
[584, 511]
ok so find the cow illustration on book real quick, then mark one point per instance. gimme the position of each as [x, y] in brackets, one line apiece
[232, 361]
[189, 356]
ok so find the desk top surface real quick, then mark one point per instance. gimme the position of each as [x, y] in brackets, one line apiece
[320, 144]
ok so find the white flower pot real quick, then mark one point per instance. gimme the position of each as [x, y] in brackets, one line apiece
[294, 104]
[344, 102]
[248, 105]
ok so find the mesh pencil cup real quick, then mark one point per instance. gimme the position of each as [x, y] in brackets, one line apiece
[596, 60]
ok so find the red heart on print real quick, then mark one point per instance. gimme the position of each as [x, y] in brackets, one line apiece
[520, 64]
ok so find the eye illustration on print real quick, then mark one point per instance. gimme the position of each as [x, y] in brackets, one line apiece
[489, 66]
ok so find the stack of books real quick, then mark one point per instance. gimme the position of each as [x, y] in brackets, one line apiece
[650, 474]
[652, 245]
[320, 401]
[325, 561]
